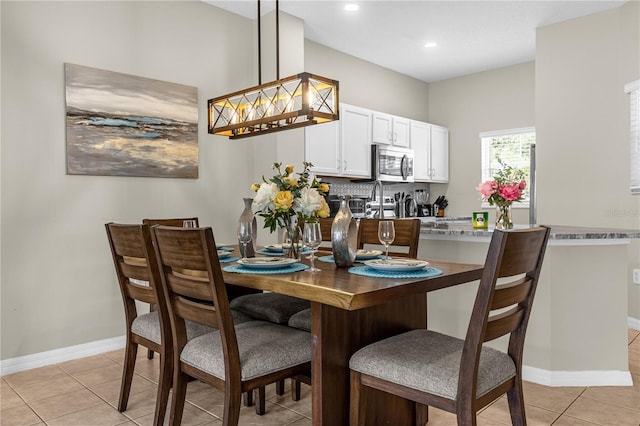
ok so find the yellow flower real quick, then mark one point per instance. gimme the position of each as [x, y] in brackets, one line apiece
[324, 210]
[291, 181]
[283, 200]
[255, 187]
[324, 187]
[288, 169]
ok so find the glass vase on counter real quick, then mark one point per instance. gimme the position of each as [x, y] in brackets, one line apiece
[503, 216]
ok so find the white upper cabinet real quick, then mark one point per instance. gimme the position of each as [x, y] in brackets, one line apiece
[439, 154]
[341, 148]
[356, 141]
[322, 148]
[390, 130]
[430, 144]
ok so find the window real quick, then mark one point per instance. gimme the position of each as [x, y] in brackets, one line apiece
[512, 147]
[633, 89]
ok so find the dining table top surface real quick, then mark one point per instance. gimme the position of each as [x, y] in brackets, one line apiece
[339, 288]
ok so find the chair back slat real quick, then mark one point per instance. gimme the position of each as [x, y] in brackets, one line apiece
[193, 288]
[180, 253]
[136, 272]
[140, 292]
[511, 293]
[521, 255]
[175, 222]
[325, 228]
[504, 323]
[407, 236]
[195, 311]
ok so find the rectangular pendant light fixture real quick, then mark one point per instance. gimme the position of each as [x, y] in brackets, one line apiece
[287, 103]
[297, 101]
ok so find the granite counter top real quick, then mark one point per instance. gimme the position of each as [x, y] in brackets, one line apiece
[558, 232]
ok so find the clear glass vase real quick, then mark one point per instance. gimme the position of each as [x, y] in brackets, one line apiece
[249, 219]
[292, 238]
[503, 217]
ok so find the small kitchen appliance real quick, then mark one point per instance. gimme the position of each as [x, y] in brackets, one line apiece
[422, 201]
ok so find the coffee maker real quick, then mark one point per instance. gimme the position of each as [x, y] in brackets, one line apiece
[422, 199]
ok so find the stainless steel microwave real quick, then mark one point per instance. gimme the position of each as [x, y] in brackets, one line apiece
[390, 164]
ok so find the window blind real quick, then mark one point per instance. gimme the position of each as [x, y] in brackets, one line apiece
[512, 146]
[633, 89]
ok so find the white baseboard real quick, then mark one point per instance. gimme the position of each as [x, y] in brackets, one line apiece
[576, 378]
[531, 374]
[27, 362]
[633, 323]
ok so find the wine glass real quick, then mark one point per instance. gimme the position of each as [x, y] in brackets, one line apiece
[312, 238]
[386, 234]
[189, 223]
[244, 236]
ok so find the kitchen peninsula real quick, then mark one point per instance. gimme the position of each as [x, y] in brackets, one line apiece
[577, 334]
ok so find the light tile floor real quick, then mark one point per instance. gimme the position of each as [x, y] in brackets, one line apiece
[85, 391]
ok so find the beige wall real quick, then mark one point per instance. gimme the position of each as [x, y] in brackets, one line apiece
[57, 280]
[582, 122]
[367, 85]
[493, 100]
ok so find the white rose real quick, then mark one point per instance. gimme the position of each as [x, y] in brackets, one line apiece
[263, 200]
[309, 202]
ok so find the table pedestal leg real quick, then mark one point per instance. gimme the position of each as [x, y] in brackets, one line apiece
[337, 334]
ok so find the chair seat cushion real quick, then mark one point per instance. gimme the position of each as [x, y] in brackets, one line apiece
[301, 320]
[272, 307]
[264, 348]
[430, 362]
[148, 326]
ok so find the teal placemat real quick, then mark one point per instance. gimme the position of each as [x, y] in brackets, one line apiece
[370, 272]
[268, 252]
[228, 259]
[285, 270]
[225, 248]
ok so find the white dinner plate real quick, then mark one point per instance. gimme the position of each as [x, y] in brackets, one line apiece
[274, 247]
[396, 265]
[266, 262]
[223, 253]
[363, 254]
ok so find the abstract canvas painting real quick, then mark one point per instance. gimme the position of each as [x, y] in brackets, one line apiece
[123, 125]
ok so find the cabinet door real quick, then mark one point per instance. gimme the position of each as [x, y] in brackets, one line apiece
[356, 141]
[322, 148]
[401, 133]
[439, 154]
[421, 144]
[382, 128]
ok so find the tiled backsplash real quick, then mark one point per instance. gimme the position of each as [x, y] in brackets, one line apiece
[363, 189]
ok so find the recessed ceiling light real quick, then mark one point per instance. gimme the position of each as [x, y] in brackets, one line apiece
[431, 44]
[351, 7]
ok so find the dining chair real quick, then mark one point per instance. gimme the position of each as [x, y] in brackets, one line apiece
[179, 222]
[135, 263]
[455, 375]
[234, 359]
[407, 235]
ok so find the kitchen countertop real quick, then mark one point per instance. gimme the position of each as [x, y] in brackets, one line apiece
[558, 232]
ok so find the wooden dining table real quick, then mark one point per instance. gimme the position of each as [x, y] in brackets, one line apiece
[350, 311]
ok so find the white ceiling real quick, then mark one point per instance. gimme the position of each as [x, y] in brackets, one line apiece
[472, 36]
